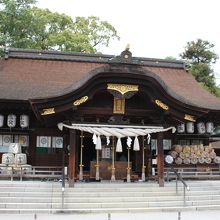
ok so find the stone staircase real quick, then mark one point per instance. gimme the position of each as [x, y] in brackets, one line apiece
[46, 197]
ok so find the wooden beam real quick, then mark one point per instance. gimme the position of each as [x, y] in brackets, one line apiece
[109, 111]
[160, 159]
[72, 157]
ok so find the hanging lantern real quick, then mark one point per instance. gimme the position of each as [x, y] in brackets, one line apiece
[181, 128]
[201, 127]
[24, 121]
[1, 120]
[209, 127]
[11, 122]
[190, 127]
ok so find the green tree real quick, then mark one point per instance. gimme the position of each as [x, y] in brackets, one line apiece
[199, 51]
[199, 57]
[170, 58]
[22, 25]
[218, 91]
[14, 22]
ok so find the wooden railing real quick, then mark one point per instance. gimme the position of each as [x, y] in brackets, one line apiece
[204, 173]
[34, 172]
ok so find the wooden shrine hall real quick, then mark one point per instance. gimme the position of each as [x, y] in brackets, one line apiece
[103, 116]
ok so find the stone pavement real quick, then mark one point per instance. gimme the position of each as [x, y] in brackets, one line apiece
[188, 215]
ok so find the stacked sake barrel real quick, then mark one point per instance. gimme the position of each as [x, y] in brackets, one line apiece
[194, 154]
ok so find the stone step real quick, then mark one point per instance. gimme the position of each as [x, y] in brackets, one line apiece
[106, 199]
[105, 190]
[107, 205]
[110, 210]
[86, 194]
[24, 186]
[31, 197]
[106, 184]
[104, 194]
[30, 184]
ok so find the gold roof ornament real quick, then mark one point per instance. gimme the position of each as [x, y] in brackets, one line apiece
[48, 111]
[80, 101]
[161, 104]
[189, 118]
[127, 47]
[122, 88]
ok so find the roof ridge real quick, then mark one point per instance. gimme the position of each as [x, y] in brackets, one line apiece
[88, 57]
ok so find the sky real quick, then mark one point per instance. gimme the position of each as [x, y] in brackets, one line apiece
[153, 28]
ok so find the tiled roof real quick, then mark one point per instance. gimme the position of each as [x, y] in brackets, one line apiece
[28, 74]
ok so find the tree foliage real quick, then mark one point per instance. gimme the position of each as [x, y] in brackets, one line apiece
[22, 25]
[170, 58]
[199, 51]
[199, 56]
[204, 75]
[218, 91]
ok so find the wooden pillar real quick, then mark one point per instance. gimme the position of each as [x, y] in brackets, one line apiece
[32, 149]
[72, 158]
[160, 159]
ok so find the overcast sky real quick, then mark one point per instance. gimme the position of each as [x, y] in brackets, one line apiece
[153, 28]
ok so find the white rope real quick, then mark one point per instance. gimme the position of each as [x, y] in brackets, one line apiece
[114, 131]
[118, 131]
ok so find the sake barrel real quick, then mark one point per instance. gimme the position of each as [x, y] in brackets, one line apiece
[208, 160]
[194, 160]
[8, 159]
[20, 159]
[195, 148]
[181, 155]
[178, 148]
[192, 149]
[212, 154]
[192, 155]
[14, 148]
[206, 154]
[217, 160]
[178, 160]
[210, 147]
[187, 155]
[174, 154]
[186, 161]
[187, 149]
[206, 149]
[201, 160]
[201, 148]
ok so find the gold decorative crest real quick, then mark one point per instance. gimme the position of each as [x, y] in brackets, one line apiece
[48, 111]
[80, 101]
[161, 104]
[122, 88]
[189, 118]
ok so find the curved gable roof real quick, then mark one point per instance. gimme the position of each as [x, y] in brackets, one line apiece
[31, 76]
